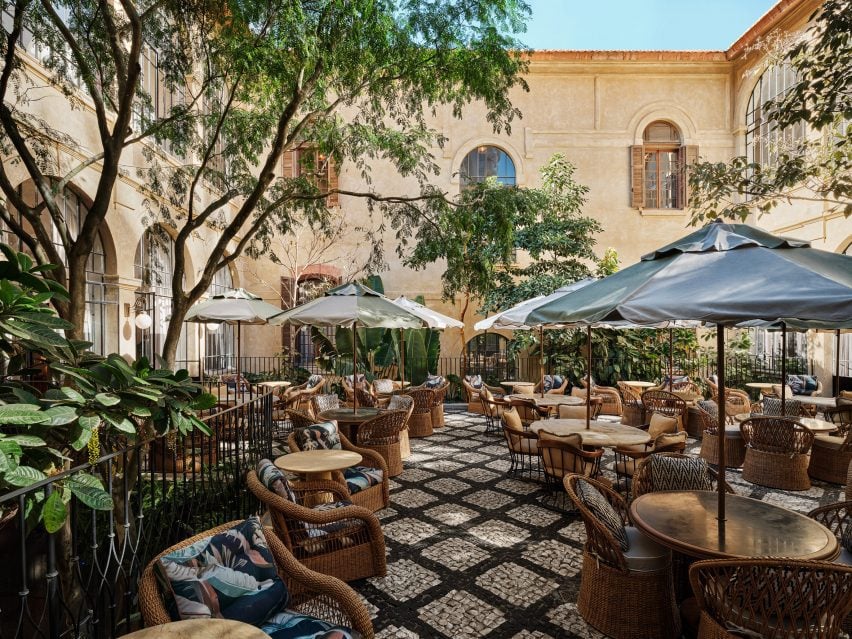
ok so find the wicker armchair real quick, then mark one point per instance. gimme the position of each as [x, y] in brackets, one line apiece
[628, 459]
[492, 408]
[612, 404]
[564, 455]
[321, 403]
[776, 452]
[298, 418]
[669, 404]
[838, 519]
[633, 411]
[736, 402]
[439, 394]
[420, 422]
[645, 481]
[474, 403]
[734, 444]
[832, 454]
[527, 410]
[311, 593]
[299, 397]
[771, 598]
[383, 389]
[403, 402]
[579, 412]
[524, 455]
[382, 434]
[375, 497]
[349, 385]
[623, 594]
[352, 546]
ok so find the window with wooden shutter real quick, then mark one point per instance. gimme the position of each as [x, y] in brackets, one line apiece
[318, 168]
[656, 168]
[637, 176]
[687, 156]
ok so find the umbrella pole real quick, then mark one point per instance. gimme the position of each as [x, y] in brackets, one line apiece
[354, 367]
[589, 378]
[837, 363]
[402, 357]
[783, 369]
[239, 355]
[541, 356]
[671, 359]
[720, 373]
[200, 357]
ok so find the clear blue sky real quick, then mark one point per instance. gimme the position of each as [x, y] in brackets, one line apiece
[640, 24]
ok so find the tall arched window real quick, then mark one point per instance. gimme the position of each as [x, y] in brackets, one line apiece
[154, 265]
[219, 348]
[484, 162]
[101, 320]
[764, 140]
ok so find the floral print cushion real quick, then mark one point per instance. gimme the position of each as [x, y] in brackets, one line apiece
[433, 381]
[230, 575]
[383, 385]
[292, 625]
[360, 478]
[313, 380]
[322, 436]
[275, 480]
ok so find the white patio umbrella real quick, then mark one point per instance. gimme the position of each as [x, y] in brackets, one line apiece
[432, 318]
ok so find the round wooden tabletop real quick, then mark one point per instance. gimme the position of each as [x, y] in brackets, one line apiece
[276, 384]
[685, 520]
[349, 415]
[816, 425]
[200, 629]
[639, 384]
[553, 399]
[600, 433]
[761, 385]
[318, 461]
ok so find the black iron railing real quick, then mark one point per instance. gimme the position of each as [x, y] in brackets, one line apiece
[81, 581]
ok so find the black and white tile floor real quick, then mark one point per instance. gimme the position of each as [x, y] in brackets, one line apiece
[474, 553]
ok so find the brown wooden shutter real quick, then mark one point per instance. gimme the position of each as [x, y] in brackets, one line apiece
[637, 176]
[287, 163]
[333, 199]
[687, 156]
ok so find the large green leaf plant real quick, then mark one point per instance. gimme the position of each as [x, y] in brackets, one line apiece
[57, 398]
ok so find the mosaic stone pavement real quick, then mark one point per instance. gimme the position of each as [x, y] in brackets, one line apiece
[475, 553]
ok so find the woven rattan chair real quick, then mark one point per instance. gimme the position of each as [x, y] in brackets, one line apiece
[838, 519]
[832, 454]
[632, 411]
[311, 593]
[375, 497]
[734, 444]
[474, 403]
[492, 408]
[776, 452]
[352, 546]
[612, 404]
[321, 403]
[669, 404]
[439, 394]
[349, 386]
[383, 389]
[403, 402]
[298, 418]
[628, 459]
[420, 422]
[621, 595]
[736, 402]
[382, 434]
[299, 397]
[524, 455]
[527, 410]
[849, 483]
[771, 598]
[771, 407]
[644, 477]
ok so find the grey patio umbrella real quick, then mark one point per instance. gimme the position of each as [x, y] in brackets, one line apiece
[354, 306]
[433, 319]
[233, 307]
[722, 274]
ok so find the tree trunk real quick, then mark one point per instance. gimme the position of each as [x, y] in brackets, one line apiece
[74, 311]
[180, 306]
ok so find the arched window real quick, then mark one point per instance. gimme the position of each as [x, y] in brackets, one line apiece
[487, 355]
[101, 320]
[484, 162]
[154, 265]
[219, 348]
[764, 140]
[662, 175]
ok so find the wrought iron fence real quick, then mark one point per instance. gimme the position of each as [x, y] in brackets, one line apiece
[81, 581]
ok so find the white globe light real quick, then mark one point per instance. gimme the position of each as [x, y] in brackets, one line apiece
[143, 321]
[212, 326]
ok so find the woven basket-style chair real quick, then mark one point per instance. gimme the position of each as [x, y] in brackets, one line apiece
[632, 411]
[382, 434]
[524, 455]
[492, 408]
[838, 519]
[474, 403]
[352, 545]
[734, 444]
[771, 598]
[612, 404]
[646, 479]
[439, 394]
[383, 389]
[375, 497]
[832, 454]
[560, 458]
[776, 452]
[311, 593]
[527, 410]
[736, 402]
[406, 403]
[299, 397]
[623, 594]
[666, 403]
[298, 418]
[628, 459]
[320, 403]
[420, 422]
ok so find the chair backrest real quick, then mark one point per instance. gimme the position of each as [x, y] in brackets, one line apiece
[841, 416]
[772, 407]
[707, 421]
[402, 402]
[773, 597]
[629, 395]
[660, 401]
[383, 429]
[422, 397]
[322, 403]
[671, 471]
[562, 456]
[600, 541]
[776, 435]
[299, 419]
[525, 408]
[836, 517]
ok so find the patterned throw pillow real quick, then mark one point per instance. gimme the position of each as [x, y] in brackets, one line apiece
[474, 380]
[322, 436]
[548, 383]
[293, 625]
[274, 480]
[674, 473]
[360, 478]
[604, 512]
[383, 386]
[313, 380]
[230, 575]
[710, 407]
[433, 381]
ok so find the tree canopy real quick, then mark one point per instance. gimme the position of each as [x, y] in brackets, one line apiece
[817, 167]
[235, 86]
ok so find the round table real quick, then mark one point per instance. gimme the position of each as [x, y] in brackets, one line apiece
[318, 464]
[600, 433]
[762, 386]
[548, 400]
[275, 385]
[348, 419]
[200, 629]
[685, 521]
[634, 384]
[816, 425]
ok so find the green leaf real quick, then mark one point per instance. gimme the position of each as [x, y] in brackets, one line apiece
[89, 490]
[61, 415]
[22, 414]
[73, 395]
[107, 399]
[26, 440]
[24, 476]
[123, 425]
[54, 513]
[89, 421]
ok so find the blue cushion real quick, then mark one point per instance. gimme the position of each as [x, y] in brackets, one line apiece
[230, 575]
[811, 384]
[548, 383]
[360, 478]
[433, 381]
[293, 625]
[313, 380]
[558, 380]
[274, 480]
[796, 384]
[322, 436]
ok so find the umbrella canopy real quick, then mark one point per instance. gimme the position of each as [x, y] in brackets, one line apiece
[433, 319]
[231, 307]
[347, 305]
[516, 317]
